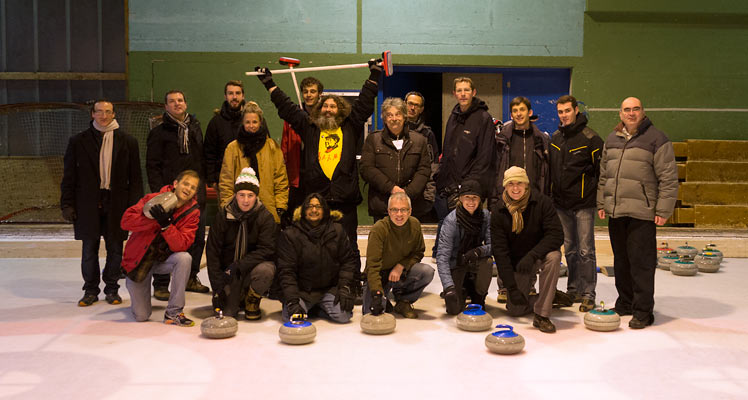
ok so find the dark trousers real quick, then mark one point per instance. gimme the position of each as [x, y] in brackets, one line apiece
[90, 269]
[195, 250]
[634, 243]
[350, 225]
[473, 280]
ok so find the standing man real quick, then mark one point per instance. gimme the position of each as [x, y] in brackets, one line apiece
[158, 245]
[526, 237]
[174, 146]
[575, 167]
[416, 122]
[100, 180]
[393, 261]
[637, 191]
[222, 130]
[292, 147]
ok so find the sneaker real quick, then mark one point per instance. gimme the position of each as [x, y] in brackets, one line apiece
[161, 293]
[113, 298]
[561, 299]
[636, 323]
[252, 310]
[194, 285]
[87, 300]
[178, 320]
[620, 312]
[405, 309]
[544, 324]
[587, 305]
[575, 297]
[502, 296]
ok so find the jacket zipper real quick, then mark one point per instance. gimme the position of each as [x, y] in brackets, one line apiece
[644, 191]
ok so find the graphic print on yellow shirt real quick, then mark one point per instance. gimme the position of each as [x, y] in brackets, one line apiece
[330, 149]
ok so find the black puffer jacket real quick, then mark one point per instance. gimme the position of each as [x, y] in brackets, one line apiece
[575, 153]
[163, 161]
[542, 234]
[343, 188]
[221, 245]
[384, 167]
[222, 130]
[308, 264]
[541, 179]
[468, 149]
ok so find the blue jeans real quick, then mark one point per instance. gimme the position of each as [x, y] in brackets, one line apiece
[579, 246]
[178, 266]
[90, 269]
[329, 310]
[408, 289]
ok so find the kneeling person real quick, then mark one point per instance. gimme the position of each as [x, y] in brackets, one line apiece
[463, 258]
[241, 250]
[393, 257]
[316, 263]
[526, 237]
[159, 245]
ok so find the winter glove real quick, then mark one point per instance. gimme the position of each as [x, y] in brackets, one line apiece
[69, 214]
[516, 297]
[524, 266]
[452, 301]
[377, 303]
[232, 272]
[281, 213]
[472, 255]
[266, 77]
[375, 69]
[345, 297]
[161, 216]
[293, 307]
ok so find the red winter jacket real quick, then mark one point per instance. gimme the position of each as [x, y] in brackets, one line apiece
[178, 236]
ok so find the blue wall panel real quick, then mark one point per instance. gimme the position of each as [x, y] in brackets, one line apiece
[324, 26]
[475, 27]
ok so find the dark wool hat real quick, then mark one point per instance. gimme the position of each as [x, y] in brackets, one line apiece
[471, 187]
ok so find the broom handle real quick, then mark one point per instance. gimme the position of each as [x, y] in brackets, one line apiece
[310, 69]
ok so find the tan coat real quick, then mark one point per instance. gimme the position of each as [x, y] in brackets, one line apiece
[272, 175]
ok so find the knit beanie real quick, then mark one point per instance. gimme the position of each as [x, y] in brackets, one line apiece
[515, 174]
[247, 180]
[471, 187]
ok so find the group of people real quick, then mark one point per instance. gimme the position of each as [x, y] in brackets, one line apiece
[287, 218]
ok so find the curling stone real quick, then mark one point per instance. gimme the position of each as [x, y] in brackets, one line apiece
[707, 262]
[663, 249]
[686, 250]
[602, 320]
[297, 331]
[168, 200]
[684, 267]
[666, 260]
[474, 319]
[505, 340]
[564, 270]
[712, 248]
[219, 327]
[381, 324]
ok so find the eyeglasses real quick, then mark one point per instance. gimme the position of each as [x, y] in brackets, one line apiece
[315, 206]
[411, 104]
[399, 210]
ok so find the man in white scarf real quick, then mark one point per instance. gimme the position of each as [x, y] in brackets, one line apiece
[101, 179]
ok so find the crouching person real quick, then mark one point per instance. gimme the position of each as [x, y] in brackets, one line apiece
[159, 245]
[463, 258]
[316, 263]
[241, 250]
[393, 257]
[526, 237]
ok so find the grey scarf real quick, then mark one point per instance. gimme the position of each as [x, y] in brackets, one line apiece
[184, 132]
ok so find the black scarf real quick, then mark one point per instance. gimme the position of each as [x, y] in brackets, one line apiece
[314, 232]
[245, 218]
[229, 114]
[471, 225]
[252, 143]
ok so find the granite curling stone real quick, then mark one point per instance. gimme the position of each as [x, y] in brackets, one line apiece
[505, 340]
[297, 331]
[663, 249]
[684, 267]
[474, 319]
[686, 250]
[168, 200]
[707, 262]
[219, 327]
[712, 248]
[602, 320]
[665, 260]
[381, 324]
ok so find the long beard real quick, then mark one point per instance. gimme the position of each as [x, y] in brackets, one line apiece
[325, 123]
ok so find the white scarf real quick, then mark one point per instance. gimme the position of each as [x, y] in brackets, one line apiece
[105, 153]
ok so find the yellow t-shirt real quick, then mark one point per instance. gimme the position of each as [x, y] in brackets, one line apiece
[330, 149]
